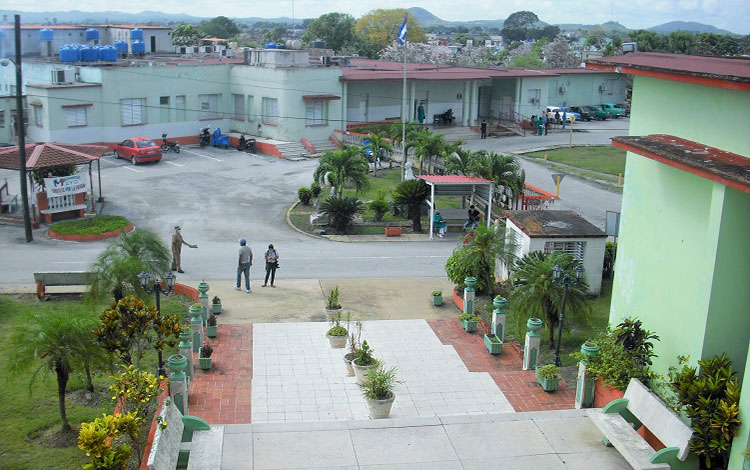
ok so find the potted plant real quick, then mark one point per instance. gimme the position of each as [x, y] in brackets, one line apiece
[216, 305]
[548, 377]
[333, 307]
[393, 231]
[469, 322]
[354, 345]
[364, 362]
[377, 387]
[204, 356]
[493, 344]
[211, 328]
[337, 334]
[437, 298]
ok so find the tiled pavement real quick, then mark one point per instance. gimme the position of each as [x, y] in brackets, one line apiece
[518, 386]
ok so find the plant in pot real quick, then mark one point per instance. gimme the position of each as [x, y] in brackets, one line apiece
[354, 345]
[377, 387]
[548, 377]
[333, 307]
[204, 356]
[211, 327]
[216, 305]
[337, 334]
[437, 298]
[364, 362]
[493, 344]
[469, 322]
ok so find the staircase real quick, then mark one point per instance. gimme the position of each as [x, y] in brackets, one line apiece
[293, 151]
[321, 146]
[454, 133]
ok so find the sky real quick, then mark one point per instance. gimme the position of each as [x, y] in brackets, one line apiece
[732, 15]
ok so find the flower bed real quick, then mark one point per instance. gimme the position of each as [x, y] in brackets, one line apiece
[99, 228]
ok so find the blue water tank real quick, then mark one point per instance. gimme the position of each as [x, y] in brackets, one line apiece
[45, 34]
[92, 34]
[136, 33]
[122, 47]
[138, 47]
[89, 54]
[271, 45]
[68, 54]
[108, 54]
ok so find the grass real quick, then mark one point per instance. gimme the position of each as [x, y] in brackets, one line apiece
[26, 415]
[99, 224]
[603, 159]
[576, 331]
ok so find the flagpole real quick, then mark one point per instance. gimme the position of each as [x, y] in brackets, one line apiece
[403, 121]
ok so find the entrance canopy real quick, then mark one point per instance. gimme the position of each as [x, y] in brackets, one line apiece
[453, 185]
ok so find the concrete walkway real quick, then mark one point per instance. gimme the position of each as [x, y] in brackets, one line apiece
[551, 440]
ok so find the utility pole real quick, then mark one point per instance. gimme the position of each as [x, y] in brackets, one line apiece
[21, 133]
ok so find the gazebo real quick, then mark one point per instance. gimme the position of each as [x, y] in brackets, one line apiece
[47, 156]
[453, 185]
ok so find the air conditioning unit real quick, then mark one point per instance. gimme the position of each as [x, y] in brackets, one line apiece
[563, 89]
[60, 76]
[602, 88]
[534, 100]
[325, 60]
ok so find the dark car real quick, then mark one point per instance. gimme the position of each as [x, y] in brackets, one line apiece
[138, 150]
[599, 113]
[586, 113]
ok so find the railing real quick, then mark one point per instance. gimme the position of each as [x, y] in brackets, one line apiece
[63, 203]
[512, 120]
[11, 202]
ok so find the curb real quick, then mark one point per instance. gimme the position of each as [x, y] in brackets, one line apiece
[297, 229]
[90, 238]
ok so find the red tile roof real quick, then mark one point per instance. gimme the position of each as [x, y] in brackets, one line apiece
[453, 179]
[51, 155]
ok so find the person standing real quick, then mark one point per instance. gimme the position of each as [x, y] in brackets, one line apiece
[439, 223]
[177, 242]
[546, 123]
[272, 263]
[564, 118]
[243, 265]
[484, 129]
[557, 117]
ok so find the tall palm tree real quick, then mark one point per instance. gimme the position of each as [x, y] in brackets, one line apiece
[426, 147]
[379, 144]
[460, 162]
[487, 246]
[412, 193]
[535, 292]
[85, 347]
[343, 166]
[504, 170]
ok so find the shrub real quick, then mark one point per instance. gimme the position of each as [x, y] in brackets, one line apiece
[316, 189]
[99, 224]
[610, 253]
[468, 317]
[364, 355]
[332, 299]
[206, 350]
[98, 437]
[550, 371]
[138, 388]
[379, 206]
[461, 265]
[436, 293]
[636, 340]
[378, 383]
[305, 195]
[336, 328]
[216, 300]
[211, 321]
[341, 210]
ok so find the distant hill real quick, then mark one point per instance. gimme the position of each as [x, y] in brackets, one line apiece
[689, 26]
[144, 17]
[609, 27]
[424, 17]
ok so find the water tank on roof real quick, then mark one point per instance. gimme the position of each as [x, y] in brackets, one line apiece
[45, 34]
[136, 33]
[293, 44]
[89, 54]
[108, 54]
[122, 47]
[92, 34]
[68, 54]
[271, 45]
[319, 44]
[138, 47]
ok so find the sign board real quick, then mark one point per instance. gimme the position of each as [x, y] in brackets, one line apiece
[612, 226]
[64, 185]
[557, 175]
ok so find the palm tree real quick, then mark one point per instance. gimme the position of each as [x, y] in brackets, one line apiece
[427, 146]
[412, 193]
[341, 167]
[85, 347]
[486, 246]
[341, 210]
[504, 170]
[460, 162]
[378, 144]
[535, 293]
[46, 341]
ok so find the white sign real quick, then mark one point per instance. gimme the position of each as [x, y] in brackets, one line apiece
[62, 185]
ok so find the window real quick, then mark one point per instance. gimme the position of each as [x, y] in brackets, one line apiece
[576, 249]
[270, 111]
[249, 108]
[164, 100]
[535, 95]
[209, 106]
[132, 111]
[315, 113]
[76, 115]
[38, 120]
[239, 107]
[179, 101]
[2, 118]
[164, 109]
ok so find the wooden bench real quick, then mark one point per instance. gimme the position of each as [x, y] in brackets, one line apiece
[187, 442]
[59, 278]
[620, 419]
[454, 217]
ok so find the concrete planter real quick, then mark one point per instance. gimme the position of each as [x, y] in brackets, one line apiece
[348, 358]
[332, 313]
[216, 308]
[337, 342]
[548, 385]
[437, 300]
[203, 287]
[469, 326]
[393, 231]
[203, 362]
[494, 347]
[177, 363]
[361, 371]
[380, 409]
[212, 331]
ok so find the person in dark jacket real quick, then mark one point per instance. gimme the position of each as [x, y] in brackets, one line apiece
[272, 263]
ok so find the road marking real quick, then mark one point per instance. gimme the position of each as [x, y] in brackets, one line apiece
[70, 262]
[368, 257]
[172, 163]
[97, 174]
[201, 155]
[131, 169]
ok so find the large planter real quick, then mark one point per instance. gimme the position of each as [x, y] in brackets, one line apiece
[493, 344]
[203, 287]
[332, 313]
[348, 358]
[337, 342]
[380, 409]
[361, 371]
[548, 385]
[216, 308]
[603, 395]
[212, 331]
[203, 362]
[437, 300]
[177, 363]
[393, 231]
[469, 326]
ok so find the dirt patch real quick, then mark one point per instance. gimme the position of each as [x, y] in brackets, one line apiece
[84, 398]
[54, 438]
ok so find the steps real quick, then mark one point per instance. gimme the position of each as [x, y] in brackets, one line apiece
[321, 146]
[454, 133]
[292, 150]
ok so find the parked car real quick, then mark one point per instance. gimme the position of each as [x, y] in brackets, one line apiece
[626, 107]
[616, 112]
[585, 113]
[138, 150]
[599, 112]
[569, 112]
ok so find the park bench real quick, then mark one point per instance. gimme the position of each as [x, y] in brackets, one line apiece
[59, 278]
[620, 419]
[453, 217]
[187, 442]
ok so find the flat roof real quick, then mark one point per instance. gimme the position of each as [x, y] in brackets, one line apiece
[714, 164]
[553, 224]
[85, 26]
[720, 72]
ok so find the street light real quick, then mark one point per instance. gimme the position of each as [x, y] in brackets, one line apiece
[566, 280]
[156, 288]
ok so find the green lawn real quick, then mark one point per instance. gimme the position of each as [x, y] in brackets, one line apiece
[99, 224]
[25, 416]
[605, 159]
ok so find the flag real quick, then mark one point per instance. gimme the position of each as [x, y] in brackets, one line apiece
[402, 32]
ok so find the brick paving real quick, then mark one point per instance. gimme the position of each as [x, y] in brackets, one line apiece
[222, 394]
[519, 386]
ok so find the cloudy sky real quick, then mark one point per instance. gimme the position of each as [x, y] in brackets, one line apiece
[733, 15]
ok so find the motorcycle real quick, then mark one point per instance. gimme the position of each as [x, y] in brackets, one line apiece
[246, 145]
[204, 138]
[168, 145]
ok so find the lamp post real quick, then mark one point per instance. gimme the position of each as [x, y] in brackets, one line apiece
[566, 280]
[157, 289]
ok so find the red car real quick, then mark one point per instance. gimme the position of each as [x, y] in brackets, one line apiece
[138, 150]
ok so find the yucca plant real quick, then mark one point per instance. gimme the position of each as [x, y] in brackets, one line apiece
[341, 210]
[412, 193]
[379, 382]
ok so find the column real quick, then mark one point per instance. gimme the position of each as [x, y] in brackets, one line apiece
[186, 349]
[585, 383]
[178, 386]
[469, 294]
[465, 105]
[498, 318]
[531, 346]
[196, 325]
[412, 95]
[344, 104]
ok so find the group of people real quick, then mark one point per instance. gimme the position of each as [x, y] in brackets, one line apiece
[473, 218]
[540, 124]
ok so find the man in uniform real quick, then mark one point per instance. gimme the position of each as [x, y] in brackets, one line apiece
[177, 242]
